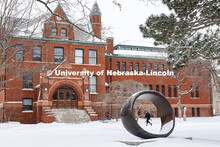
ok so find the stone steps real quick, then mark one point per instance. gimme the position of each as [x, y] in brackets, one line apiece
[92, 114]
[70, 116]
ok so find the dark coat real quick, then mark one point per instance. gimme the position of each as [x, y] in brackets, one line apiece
[147, 115]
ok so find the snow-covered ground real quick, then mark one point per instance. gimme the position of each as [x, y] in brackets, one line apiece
[195, 132]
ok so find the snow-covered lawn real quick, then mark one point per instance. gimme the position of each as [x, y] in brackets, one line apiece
[195, 132]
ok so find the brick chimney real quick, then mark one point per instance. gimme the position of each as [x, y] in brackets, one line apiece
[110, 44]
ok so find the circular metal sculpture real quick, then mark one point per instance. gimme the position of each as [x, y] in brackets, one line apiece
[163, 107]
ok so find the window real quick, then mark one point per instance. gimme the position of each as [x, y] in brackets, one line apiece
[37, 53]
[19, 49]
[198, 112]
[53, 31]
[28, 81]
[150, 87]
[169, 91]
[193, 112]
[58, 54]
[192, 95]
[157, 88]
[174, 91]
[124, 66]
[144, 68]
[117, 66]
[93, 19]
[27, 104]
[163, 89]
[131, 66]
[156, 67]
[93, 84]
[63, 32]
[97, 19]
[149, 68]
[93, 57]
[55, 95]
[197, 91]
[169, 67]
[162, 67]
[145, 86]
[79, 56]
[137, 67]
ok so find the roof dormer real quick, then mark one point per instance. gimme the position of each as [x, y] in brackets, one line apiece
[59, 10]
[59, 27]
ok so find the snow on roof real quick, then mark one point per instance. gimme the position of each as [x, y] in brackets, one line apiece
[95, 9]
[83, 36]
[143, 42]
[156, 55]
[35, 27]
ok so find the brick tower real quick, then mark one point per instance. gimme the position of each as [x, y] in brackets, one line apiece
[95, 19]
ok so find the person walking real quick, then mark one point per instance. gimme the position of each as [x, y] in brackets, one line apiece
[147, 116]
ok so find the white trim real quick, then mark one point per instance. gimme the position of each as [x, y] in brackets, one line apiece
[98, 65]
[39, 95]
[14, 102]
[172, 97]
[17, 102]
[194, 98]
[28, 89]
[93, 93]
[65, 78]
[29, 111]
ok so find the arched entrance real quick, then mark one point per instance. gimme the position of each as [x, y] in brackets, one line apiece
[73, 87]
[65, 97]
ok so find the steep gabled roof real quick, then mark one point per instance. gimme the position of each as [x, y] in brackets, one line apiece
[95, 9]
[57, 11]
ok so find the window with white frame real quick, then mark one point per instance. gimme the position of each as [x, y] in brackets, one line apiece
[117, 66]
[19, 55]
[37, 51]
[53, 31]
[63, 32]
[162, 67]
[144, 68]
[27, 104]
[124, 66]
[131, 66]
[79, 56]
[58, 54]
[93, 57]
[28, 81]
[93, 84]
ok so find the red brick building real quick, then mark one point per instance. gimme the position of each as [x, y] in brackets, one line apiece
[147, 60]
[55, 74]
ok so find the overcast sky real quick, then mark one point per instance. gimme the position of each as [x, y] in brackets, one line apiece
[125, 22]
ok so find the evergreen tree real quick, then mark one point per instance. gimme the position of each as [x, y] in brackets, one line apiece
[191, 30]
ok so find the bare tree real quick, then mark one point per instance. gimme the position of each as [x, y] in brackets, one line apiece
[118, 93]
[194, 74]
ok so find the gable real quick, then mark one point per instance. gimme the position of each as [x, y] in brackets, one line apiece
[59, 10]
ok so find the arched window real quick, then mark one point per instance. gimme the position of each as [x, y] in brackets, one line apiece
[97, 19]
[94, 19]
